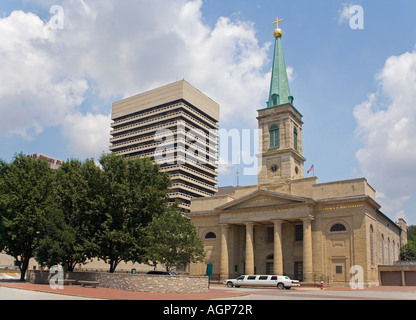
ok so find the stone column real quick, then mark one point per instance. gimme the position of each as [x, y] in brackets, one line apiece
[224, 266]
[249, 249]
[278, 255]
[307, 250]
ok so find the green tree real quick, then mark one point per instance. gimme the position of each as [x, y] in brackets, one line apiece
[173, 240]
[27, 206]
[411, 233]
[67, 242]
[408, 251]
[57, 243]
[133, 192]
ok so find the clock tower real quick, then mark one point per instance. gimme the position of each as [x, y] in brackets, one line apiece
[280, 124]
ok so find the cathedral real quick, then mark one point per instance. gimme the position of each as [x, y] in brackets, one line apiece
[288, 224]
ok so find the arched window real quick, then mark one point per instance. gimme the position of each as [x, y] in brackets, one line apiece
[388, 251]
[270, 257]
[382, 249]
[372, 245]
[210, 236]
[338, 227]
[295, 137]
[274, 136]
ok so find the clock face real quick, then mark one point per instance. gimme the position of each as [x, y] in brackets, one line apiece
[274, 168]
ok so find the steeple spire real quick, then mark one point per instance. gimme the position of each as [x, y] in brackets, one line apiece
[279, 87]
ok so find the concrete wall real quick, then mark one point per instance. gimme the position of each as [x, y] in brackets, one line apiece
[132, 282]
[397, 275]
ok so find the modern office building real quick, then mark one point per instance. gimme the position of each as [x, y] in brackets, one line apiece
[176, 126]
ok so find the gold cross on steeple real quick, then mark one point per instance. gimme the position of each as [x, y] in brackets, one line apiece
[277, 22]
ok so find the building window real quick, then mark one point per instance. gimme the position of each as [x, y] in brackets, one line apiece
[270, 235]
[372, 245]
[388, 251]
[338, 269]
[274, 136]
[295, 137]
[382, 249]
[338, 227]
[299, 232]
[210, 236]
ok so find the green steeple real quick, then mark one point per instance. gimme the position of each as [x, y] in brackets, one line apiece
[279, 87]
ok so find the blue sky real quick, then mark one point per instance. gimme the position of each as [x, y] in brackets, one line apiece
[355, 88]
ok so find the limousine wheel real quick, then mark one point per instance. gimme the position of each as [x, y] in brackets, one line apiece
[229, 284]
[281, 286]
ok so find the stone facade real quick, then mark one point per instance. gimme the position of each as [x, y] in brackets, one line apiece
[316, 232]
[132, 282]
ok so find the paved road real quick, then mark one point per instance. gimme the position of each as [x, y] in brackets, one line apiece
[314, 294]
[18, 294]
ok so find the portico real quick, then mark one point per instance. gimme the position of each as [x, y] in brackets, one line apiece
[271, 212]
[250, 262]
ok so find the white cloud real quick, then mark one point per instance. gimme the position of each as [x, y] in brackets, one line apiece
[386, 122]
[225, 167]
[344, 14]
[291, 75]
[157, 42]
[120, 48]
[86, 134]
[33, 91]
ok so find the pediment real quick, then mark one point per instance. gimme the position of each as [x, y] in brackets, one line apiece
[261, 198]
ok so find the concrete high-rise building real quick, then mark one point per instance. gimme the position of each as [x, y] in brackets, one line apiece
[176, 126]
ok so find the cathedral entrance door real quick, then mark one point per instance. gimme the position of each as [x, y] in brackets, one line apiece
[338, 270]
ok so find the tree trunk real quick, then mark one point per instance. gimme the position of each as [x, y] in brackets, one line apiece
[70, 266]
[23, 268]
[113, 265]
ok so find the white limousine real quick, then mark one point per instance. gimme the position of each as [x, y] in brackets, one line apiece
[281, 282]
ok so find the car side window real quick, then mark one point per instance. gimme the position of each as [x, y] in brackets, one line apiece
[263, 278]
[240, 278]
[274, 278]
[251, 278]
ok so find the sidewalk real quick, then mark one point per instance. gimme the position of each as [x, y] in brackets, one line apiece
[216, 292]
[113, 294]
